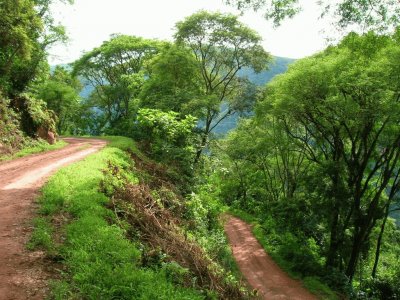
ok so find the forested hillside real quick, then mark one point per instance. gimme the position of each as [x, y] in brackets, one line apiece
[27, 30]
[314, 166]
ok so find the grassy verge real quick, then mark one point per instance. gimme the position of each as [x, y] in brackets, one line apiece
[313, 284]
[76, 227]
[35, 146]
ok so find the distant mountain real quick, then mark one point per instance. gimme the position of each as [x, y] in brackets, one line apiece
[278, 66]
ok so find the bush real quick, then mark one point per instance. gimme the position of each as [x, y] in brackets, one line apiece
[380, 288]
[11, 137]
[168, 137]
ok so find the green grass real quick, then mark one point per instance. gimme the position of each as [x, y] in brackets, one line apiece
[100, 262]
[34, 147]
[313, 284]
[42, 236]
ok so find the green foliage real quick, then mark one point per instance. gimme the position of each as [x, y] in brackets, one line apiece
[377, 14]
[173, 83]
[34, 115]
[116, 70]
[60, 92]
[14, 143]
[31, 146]
[169, 137]
[221, 46]
[120, 142]
[20, 28]
[342, 105]
[206, 216]
[315, 286]
[319, 162]
[300, 258]
[276, 10]
[11, 136]
[42, 236]
[27, 29]
[100, 261]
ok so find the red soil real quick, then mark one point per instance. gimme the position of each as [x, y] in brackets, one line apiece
[257, 267]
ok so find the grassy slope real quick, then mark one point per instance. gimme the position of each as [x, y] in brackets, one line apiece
[99, 262]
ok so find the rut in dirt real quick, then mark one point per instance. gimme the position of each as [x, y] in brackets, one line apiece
[24, 274]
[258, 268]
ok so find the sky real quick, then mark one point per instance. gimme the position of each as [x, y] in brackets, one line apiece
[90, 22]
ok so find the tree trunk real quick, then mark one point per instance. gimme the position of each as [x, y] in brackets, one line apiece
[200, 149]
[379, 242]
[334, 242]
[355, 253]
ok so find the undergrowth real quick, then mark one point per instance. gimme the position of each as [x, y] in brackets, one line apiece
[99, 261]
[284, 250]
[182, 230]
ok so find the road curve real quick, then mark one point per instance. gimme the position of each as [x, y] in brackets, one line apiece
[257, 267]
[23, 274]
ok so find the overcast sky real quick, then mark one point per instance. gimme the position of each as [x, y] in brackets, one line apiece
[90, 22]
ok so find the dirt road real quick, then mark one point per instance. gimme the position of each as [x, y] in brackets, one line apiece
[23, 274]
[257, 267]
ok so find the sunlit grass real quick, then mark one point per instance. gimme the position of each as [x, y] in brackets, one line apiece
[101, 263]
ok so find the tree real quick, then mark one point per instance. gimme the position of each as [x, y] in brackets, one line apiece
[26, 31]
[222, 46]
[169, 138]
[381, 15]
[116, 71]
[342, 107]
[61, 93]
[20, 29]
[174, 81]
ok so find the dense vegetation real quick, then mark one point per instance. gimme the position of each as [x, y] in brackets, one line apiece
[122, 231]
[314, 162]
[319, 164]
[27, 30]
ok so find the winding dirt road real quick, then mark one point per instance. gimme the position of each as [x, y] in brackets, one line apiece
[23, 274]
[257, 267]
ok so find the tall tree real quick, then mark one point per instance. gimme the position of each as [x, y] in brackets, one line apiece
[116, 71]
[174, 81]
[342, 106]
[27, 29]
[222, 46]
[61, 93]
[20, 29]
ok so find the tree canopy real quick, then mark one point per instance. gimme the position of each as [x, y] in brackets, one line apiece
[116, 71]
[325, 143]
[222, 46]
[380, 15]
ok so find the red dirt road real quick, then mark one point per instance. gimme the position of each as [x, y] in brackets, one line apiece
[23, 274]
[257, 267]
